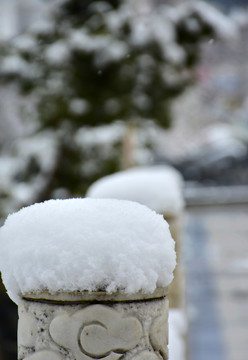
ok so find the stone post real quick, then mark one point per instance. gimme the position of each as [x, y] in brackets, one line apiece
[89, 326]
[159, 188]
[176, 293]
[90, 278]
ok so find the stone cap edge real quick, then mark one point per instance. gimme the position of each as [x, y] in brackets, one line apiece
[82, 296]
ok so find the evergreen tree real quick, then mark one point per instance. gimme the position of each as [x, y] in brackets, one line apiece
[90, 64]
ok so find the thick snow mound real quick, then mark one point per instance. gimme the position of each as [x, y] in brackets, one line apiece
[158, 187]
[85, 244]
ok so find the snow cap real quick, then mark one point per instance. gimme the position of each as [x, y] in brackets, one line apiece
[85, 244]
[158, 187]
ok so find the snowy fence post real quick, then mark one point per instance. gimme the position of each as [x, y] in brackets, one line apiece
[90, 278]
[159, 188]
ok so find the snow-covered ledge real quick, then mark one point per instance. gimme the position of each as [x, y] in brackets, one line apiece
[161, 189]
[90, 279]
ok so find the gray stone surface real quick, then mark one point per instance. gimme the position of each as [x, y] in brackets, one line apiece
[111, 330]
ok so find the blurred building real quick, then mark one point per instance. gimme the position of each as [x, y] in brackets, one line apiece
[228, 5]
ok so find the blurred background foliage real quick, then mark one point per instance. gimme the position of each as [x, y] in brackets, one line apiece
[95, 83]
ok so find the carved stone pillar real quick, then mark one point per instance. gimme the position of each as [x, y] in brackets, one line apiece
[176, 290]
[90, 326]
[159, 188]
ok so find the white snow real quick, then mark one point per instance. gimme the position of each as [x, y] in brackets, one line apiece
[158, 187]
[57, 53]
[25, 42]
[42, 27]
[223, 26]
[79, 106]
[43, 146]
[85, 244]
[152, 26]
[104, 134]
[14, 64]
[106, 47]
[16, 189]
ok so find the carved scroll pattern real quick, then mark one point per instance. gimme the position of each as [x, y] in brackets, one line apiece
[100, 332]
[96, 332]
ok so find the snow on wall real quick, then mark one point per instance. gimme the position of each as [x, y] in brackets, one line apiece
[85, 244]
[158, 187]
